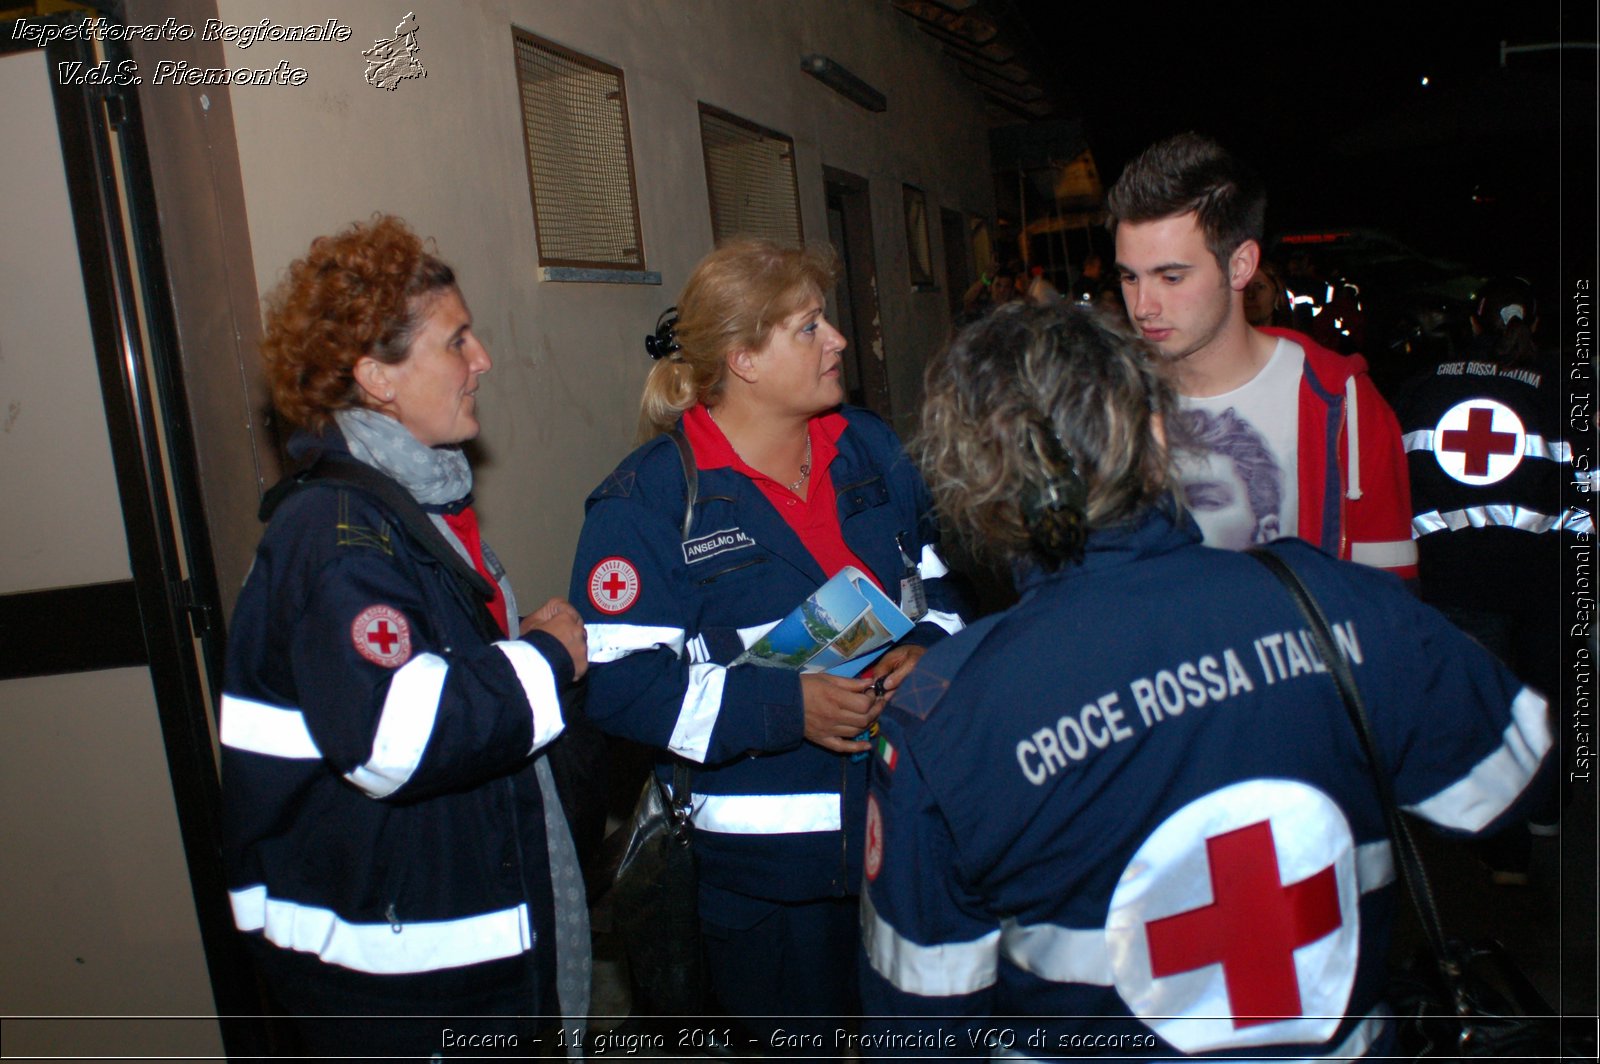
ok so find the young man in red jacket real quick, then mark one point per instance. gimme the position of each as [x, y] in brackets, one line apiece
[1188, 220]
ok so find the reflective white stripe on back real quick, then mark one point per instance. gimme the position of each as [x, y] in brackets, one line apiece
[943, 970]
[1535, 446]
[931, 566]
[766, 814]
[697, 716]
[1492, 785]
[275, 731]
[608, 642]
[381, 949]
[539, 686]
[404, 726]
[1389, 555]
[1500, 515]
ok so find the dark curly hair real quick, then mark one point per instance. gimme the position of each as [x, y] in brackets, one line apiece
[361, 292]
[1039, 427]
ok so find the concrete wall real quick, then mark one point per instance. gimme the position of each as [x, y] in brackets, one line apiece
[446, 152]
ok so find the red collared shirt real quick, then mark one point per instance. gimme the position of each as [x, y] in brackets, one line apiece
[815, 518]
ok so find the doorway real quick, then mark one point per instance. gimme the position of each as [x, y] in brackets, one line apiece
[855, 294]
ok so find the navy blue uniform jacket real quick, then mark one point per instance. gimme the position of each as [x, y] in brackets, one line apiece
[1133, 805]
[775, 817]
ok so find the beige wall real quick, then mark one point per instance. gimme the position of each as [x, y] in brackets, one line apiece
[446, 152]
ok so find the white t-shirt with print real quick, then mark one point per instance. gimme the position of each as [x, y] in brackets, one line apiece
[1245, 490]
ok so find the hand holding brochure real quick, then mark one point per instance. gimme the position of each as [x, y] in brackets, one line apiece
[841, 628]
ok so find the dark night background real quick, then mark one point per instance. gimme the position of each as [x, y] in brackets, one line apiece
[1326, 101]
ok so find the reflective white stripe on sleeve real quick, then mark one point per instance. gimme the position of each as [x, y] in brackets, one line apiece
[950, 622]
[1492, 785]
[697, 716]
[1082, 955]
[766, 814]
[404, 726]
[262, 729]
[1388, 555]
[383, 948]
[943, 970]
[539, 685]
[608, 642]
[1501, 515]
[930, 566]
[1420, 440]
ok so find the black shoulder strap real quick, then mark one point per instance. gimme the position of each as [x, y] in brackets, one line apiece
[1407, 861]
[396, 499]
[691, 477]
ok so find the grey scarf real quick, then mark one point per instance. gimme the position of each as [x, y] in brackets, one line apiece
[437, 476]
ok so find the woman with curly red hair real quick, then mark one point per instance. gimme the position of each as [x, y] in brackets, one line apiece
[395, 844]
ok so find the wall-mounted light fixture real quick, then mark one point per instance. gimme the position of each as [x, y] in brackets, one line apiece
[843, 82]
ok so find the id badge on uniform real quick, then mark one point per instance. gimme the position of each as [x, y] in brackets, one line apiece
[913, 599]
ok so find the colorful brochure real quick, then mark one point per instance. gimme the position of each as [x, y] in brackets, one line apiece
[842, 627]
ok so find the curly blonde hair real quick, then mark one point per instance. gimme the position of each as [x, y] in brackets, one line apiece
[1039, 426]
[361, 292]
[734, 298]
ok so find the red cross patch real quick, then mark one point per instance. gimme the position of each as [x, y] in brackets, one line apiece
[874, 855]
[613, 585]
[1237, 921]
[382, 635]
[1479, 441]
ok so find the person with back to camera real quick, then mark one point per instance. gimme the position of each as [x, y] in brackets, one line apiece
[395, 847]
[791, 488]
[1129, 807]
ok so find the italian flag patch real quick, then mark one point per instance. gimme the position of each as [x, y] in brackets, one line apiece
[890, 755]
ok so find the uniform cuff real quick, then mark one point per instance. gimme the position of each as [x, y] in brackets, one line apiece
[554, 653]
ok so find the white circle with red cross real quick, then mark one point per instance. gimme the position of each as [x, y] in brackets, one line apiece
[1237, 922]
[382, 635]
[874, 857]
[1479, 441]
[613, 585]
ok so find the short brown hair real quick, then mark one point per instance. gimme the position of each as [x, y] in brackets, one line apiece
[1192, 172]
[734, 298]
[361, 292]
[1044, 403]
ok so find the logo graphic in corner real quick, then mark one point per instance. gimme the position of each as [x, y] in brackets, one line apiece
[613, 585]
[874, 857]
[389, 62]
[1232, 928]
[382, 635]
[1479, 441]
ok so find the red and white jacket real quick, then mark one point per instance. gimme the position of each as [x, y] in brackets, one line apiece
[1355, 490]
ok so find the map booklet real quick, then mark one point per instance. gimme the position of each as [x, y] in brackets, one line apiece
[842, 627]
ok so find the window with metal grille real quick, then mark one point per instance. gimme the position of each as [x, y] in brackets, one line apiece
[750, 179]
[580, 159]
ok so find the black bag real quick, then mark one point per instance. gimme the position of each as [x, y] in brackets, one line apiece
[652, 901]
[1456, 1000]
[646, 872]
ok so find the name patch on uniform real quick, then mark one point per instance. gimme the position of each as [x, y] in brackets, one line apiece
[382, 635]
[613, 585]
[714, 543]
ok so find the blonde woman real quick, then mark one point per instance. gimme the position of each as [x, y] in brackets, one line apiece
[790, 487]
